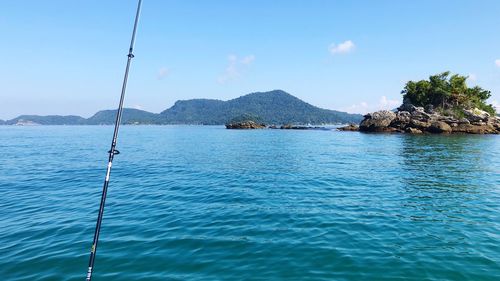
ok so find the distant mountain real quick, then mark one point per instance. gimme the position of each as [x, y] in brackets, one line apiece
[274, 107]
[196, 111]
[129, 116]
[46, 120]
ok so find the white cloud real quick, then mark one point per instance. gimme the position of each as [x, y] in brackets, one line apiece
[137, 106]
[234, 67]
[357, 108]
[385, 103]
[248, 59]
[472, 77]
[364, 107]
[162, 73]
[497, 62]
[342, 48]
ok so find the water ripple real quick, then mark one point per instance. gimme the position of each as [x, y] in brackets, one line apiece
[205, 203]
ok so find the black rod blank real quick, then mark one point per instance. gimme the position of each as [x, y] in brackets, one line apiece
[112, 152]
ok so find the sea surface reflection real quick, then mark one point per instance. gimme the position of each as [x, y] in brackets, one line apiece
[205, 203]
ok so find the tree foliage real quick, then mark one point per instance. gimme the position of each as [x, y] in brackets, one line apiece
[274, 107]
[247, 117]
[447, 91]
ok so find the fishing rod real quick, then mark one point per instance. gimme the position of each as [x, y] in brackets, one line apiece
[112, 152]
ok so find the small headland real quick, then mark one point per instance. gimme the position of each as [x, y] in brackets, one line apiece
[417, 121]
[441, 105]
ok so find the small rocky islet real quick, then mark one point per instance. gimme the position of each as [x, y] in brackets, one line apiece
[251, 121]
[442, 104]
[249, 124]
[416, 120]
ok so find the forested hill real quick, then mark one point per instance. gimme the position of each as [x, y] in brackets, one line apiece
[46, 120]
[129, 116]
[274, 107]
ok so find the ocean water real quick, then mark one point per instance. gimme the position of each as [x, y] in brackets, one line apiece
[205, 203]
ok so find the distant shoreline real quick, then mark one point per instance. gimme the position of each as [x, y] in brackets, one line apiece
[273, 107]
[131, 125]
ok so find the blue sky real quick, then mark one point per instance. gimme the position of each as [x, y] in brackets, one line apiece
[68, 57]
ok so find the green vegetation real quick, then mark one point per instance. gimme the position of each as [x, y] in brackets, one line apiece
[449, 94]
[47, 120]
[274, 107]
[130, 116]
[247, 117]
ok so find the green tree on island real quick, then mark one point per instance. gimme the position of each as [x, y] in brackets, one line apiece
[448, 94]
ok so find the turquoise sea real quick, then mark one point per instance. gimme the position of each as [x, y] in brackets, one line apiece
[206, 203]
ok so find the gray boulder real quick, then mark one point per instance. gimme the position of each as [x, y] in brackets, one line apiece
[403, 116]
[421, 125]
[474, 129]
[439, 127]
[377, 121]
[419, 112]
[476, 115]
[401, 121]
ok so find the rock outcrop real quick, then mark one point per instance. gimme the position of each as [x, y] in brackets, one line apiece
[416, 120]
[439, 127]
[245, 125]
[350, 127]
[301, 127]
[378, 121]
[476, 115]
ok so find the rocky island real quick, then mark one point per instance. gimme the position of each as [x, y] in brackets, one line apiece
[416, 120]
[442, 104]
[245, 125]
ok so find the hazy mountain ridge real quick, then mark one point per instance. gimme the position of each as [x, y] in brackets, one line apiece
[46, 120]
[274, 107]
[129, 116]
